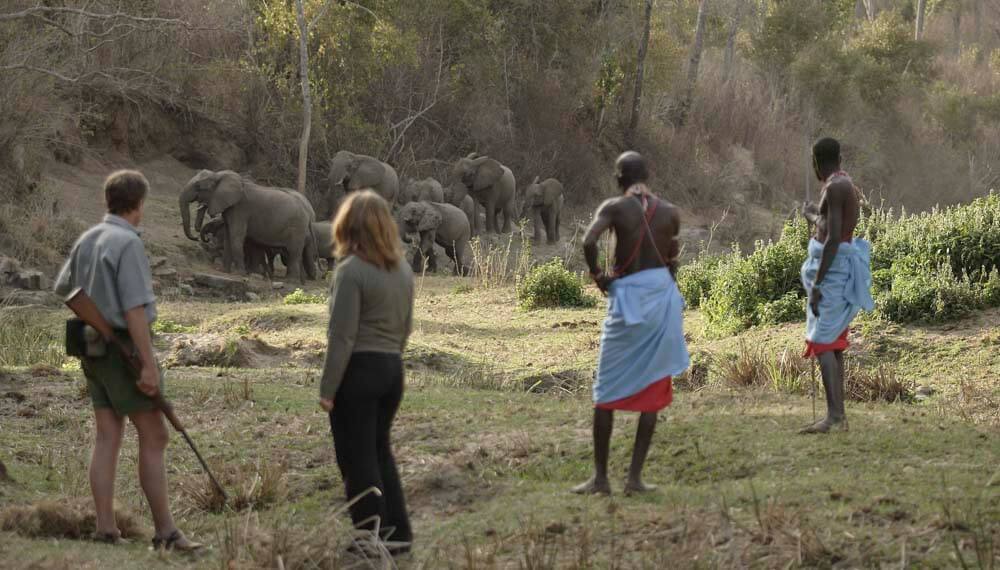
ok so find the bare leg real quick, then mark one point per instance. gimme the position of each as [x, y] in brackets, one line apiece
[153, 439]
[103, 464]
[833, 384]
[643, 438]
[604, 421]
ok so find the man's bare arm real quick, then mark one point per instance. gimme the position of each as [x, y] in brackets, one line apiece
[836, 195]
[138, 330]
[602, 221]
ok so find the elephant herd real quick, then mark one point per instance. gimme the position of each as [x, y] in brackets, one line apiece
[250, 225]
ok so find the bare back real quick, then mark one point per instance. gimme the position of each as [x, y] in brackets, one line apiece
[839, 208]
[625, 217]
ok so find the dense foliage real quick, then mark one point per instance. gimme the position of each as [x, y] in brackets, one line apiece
[932, 267]
[552, 285]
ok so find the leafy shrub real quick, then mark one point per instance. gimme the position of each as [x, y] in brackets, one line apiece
[695, 279]
[300, 297]
[932, 267]
[787, 309]
[745, 285]
[932, 296]
[552, 285]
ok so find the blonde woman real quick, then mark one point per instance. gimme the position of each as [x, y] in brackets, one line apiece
[371, 308]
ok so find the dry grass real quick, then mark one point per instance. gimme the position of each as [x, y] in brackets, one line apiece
[250, 485]
[876, 383]
[67, 518]
[26, 340]
[760, 367]
[978, 402]
[498, 264]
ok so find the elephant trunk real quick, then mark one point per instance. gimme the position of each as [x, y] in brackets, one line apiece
[199, 220]
[187, 196]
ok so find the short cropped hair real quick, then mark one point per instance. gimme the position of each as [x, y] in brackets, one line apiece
[364, 226]
[826, 151]
[631, 168]
[124, 191]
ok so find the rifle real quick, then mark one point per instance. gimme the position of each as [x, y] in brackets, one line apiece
[83, 307]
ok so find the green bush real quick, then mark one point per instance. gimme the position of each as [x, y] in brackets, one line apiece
[745, 285]
[932, 295]
[695, 279]
[932, 267]
[300, 297]
[552, 285]
[789, 308]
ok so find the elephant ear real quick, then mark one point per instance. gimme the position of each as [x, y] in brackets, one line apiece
[366, 173]
[430, 220]
[228, 192]
[488, 173]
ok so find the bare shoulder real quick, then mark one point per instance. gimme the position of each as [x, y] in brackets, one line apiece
[841, 189]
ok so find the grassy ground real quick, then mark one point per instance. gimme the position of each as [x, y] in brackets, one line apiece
[495, 428]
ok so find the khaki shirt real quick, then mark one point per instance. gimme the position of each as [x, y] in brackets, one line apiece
[109, 262]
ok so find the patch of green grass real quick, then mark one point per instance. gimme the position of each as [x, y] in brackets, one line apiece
[552, 285]
[169, 326]
[300, 297]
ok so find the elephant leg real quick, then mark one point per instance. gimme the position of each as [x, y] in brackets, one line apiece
[550, 227]
[555, 225]
[432, 265]
[237, 235]
[449, 250]
[508, 216]
[293, 260]
[538, 221]
[417, 263]
[227, 253]
[491, 215]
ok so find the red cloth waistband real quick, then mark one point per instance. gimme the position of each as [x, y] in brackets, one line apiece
[652, 398]
[816, 348]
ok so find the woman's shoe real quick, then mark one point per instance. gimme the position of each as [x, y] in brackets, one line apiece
[176, 541]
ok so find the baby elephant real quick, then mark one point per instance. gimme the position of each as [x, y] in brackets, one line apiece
[426, 190]
[543, 201]
[439, 223]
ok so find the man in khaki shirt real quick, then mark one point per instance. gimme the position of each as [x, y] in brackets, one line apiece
[109, 262]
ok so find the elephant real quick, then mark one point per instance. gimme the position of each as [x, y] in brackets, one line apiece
[426, 190]
[258, 259]
[350, 172]
[323, 232]
[458, 195]
[270, 217]
[490, 184]
[544, 202]
[439, 223]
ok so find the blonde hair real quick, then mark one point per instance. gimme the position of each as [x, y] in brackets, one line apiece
[364, 226]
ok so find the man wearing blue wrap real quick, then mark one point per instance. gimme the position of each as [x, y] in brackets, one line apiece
[837, 277]
[642, 341]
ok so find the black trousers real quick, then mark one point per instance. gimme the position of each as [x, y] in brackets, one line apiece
[362, 415]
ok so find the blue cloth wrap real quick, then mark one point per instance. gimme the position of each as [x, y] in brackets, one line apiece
[643, 337]
[846, 289]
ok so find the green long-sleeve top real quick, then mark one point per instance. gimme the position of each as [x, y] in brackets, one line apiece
[371, 310]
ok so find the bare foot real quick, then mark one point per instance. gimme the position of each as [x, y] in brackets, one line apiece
[594, 486]
[638, 488]
[825, 425]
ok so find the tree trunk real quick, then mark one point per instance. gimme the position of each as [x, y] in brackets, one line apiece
[306, 95]
[956, 27]
[860, 10]
[734, 28]
[633, 122]
[921, 11]
[977, 21]
[695, 61]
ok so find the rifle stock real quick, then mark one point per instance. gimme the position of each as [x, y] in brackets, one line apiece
[84, 307]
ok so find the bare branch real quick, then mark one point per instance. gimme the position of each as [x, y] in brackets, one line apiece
[37, 10]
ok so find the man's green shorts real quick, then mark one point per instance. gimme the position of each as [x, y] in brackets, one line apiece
[113, 384]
